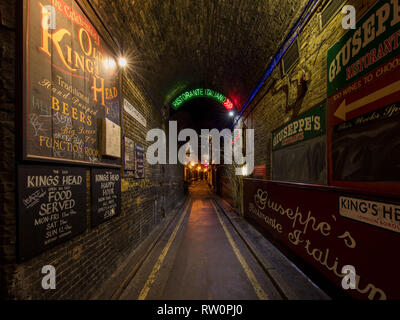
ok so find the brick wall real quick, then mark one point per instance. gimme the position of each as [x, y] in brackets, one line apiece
[282, 99]
[281, 103]
[7, 133]
[84, 262]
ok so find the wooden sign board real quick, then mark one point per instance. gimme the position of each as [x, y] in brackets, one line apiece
[71, 81]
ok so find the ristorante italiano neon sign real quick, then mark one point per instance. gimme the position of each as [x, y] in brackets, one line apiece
[202, 93]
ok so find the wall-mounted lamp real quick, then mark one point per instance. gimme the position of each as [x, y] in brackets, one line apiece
[122, 62]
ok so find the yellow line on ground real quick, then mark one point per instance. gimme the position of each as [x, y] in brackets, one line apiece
[153, 275]
[250, 275]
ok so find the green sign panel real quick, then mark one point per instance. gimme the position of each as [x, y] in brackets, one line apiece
[198, 93]
[375, 41]
[309, 125]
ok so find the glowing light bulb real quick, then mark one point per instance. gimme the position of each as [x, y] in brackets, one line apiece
[122, 62]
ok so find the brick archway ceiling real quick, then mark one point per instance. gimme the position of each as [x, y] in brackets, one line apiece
[177, 45]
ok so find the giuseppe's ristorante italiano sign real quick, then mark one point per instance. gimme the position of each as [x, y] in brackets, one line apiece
[331, 228]
[309, 125]
[363, 66]
[72, 84]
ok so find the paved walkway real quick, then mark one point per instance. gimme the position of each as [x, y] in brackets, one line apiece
[201, 255]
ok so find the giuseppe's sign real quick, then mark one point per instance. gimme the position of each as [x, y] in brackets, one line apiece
[375, 41]
[307, 126]
[322, 227]
[71, 83]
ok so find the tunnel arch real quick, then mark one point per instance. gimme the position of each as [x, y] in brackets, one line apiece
[202, 93]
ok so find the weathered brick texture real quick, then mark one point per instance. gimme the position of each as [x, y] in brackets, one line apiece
[281, 101]
[84, 262]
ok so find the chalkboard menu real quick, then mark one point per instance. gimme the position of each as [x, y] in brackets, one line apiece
[71, 84]
[139, 173]
[52, 207]
[106, 195]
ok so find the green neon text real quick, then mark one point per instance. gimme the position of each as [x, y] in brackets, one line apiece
[197, 93]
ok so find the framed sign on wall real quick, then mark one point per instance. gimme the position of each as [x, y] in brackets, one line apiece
[129, 157]
[140, 165]
[71, 82]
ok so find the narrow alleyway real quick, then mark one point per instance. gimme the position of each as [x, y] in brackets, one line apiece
[202, 257]
[156, 150]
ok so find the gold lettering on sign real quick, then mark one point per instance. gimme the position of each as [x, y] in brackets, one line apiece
[97, 90]
[88, 60]
[301, 224]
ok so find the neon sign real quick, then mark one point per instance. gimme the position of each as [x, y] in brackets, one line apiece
[228, 104]
[202, 93]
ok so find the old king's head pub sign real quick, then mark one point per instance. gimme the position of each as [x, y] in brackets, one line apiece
[71, 85]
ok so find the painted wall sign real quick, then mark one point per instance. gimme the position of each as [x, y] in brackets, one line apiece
[307, 126]
[363, 79]
[260, 171]
[202, 93]
[131, 110]
[359, 51]
[52, 207]
[139, 158]
[380, 214]
[70, 80]
[106, 194]
[129, 154]
[307, 221]
[363, 66]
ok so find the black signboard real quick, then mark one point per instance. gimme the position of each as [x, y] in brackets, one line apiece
[71, 83]
[139, 173]
[106, 195]
[129, 154]
[52, 207]
[367, 148]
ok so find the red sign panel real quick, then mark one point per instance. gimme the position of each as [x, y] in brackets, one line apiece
[375, 90]
[330, 228]
[260, 171]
